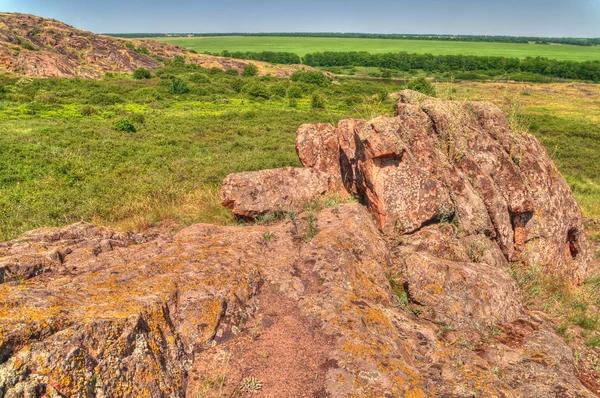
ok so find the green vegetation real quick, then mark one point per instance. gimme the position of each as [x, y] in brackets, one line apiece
[393, 36]
[250, 70]
[141, 73]
[572, 306]
[422, 85]
[304, 45]
[124, 126]
[70, 154]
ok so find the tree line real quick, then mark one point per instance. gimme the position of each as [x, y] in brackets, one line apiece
[574, 41]
[588, 70]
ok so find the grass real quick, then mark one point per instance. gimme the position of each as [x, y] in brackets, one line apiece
[304, 45]
[63, 162]
[570, 305]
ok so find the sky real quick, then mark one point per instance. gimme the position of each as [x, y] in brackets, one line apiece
[554, 18]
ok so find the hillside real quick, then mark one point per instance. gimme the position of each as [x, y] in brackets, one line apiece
[42, 47]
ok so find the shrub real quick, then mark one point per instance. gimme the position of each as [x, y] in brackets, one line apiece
[130, 46]
[141, 74]
[237, 85]
[294, 92]
[317, 101]
[422, 85]
[179, 60]
[257, 91]
[232, 72]
[124, 125]
[279, 89]
[310, 77]
[250, 70]
[142, 50]
[178, 86]
[199, 78]
[27, 46]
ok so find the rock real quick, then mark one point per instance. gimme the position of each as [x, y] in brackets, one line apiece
[462, 294]
[59, 249]
[318, 148]
[59, 50]
[254, 193]
[439, 161]
[407, 295]
[160, 318]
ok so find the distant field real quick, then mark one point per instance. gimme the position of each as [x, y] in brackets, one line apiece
[304, 45]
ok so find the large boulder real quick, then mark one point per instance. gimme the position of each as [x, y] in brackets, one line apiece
[255, 193]
[438, 161]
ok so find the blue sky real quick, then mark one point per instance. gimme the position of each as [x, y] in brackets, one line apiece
[575, 18]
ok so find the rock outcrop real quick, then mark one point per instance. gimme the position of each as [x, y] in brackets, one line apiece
[404, 295]
[446, 161]
[43, 47]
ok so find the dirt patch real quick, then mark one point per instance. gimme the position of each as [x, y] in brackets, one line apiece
[277, 353]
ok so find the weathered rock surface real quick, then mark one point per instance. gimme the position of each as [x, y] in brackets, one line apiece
[323, 303]
[161, 318]
[254, 193]
[43, 47]
[439, 160]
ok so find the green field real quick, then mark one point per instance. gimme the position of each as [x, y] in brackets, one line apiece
[304, 45]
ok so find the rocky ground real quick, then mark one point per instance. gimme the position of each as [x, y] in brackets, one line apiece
[43, 47]
[381, 269]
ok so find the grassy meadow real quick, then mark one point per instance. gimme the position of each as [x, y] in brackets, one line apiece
[305, 45]
[66, 156]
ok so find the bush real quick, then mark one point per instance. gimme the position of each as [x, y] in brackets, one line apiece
[179, 60]
[130, 46]
[237, 85]
[294, 92]
[250, 70]
[257, 91]
[141, 74]
[279, 89]
[178, 86]
[199, 78]
[422, 85]
[232, 72]
[27, 46]
[317, 101]
[124, 125]
[316, 78]
[142, 50]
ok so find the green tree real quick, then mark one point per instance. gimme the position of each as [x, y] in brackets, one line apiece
[250, 70]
